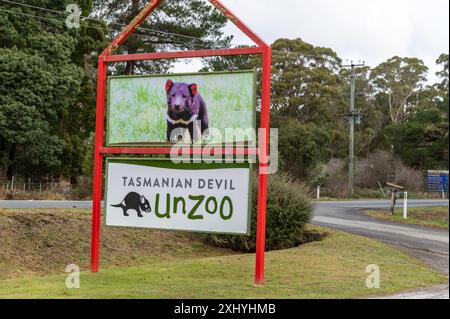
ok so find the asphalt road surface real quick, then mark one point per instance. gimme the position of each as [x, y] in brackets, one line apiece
[429, 245]
[349, 217]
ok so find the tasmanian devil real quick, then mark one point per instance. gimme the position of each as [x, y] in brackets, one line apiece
[134, 201]
[185, 108]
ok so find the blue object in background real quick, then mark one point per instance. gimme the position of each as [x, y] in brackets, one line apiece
[437, 181]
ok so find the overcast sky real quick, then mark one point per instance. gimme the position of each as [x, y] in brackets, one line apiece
[369, 30]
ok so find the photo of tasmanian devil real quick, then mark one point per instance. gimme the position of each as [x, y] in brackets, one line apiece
[136, 202]
[186, 110]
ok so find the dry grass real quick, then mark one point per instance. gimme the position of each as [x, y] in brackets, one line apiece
[31, 195]
[435, 217]
[36, 242]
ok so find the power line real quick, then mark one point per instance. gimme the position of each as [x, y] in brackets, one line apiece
[34, 16]
[63, 21]
[99, 20]
[143, 36]
[58, 20]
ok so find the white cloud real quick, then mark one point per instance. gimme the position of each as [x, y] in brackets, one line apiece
[369, 30]
[366, 30]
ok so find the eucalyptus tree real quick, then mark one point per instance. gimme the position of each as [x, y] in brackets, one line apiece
[400, 80]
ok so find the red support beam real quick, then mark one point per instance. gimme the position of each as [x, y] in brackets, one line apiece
[100, 150]
[188, 150]
[98, 165]
[237, 22]
[262, 179]
[182, 54]
[137, 21]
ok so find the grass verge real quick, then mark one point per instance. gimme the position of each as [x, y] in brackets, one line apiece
[45, 241]
[136, 264]
[435, 217]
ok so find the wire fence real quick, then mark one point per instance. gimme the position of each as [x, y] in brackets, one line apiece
[22, 184]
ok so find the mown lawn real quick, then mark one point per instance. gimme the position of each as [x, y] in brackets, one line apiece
[331, 268]
[436, 217]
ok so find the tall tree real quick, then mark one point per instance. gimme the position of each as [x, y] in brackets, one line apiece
[305, 82]
[422, 140]
[442, 61]
[175, 24]
[46, 90]
[400, 80]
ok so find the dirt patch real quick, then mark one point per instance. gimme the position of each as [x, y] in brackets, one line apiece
[42, 242]
[310, 235]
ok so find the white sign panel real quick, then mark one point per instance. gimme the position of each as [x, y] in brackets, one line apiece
[211, 198]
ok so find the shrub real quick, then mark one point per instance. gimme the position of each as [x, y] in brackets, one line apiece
[412, 179]
[336, 179]
[375, 167]
[288, 210]
[371, 172]
[301, 147]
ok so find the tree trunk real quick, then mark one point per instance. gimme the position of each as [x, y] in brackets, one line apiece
[131, 44]
[11, 157]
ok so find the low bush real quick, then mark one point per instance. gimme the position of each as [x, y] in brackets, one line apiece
[288, 211]
[370, 173]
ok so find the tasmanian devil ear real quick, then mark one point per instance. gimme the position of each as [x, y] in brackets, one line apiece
[194, 89]
[169, 85]
[142, 199]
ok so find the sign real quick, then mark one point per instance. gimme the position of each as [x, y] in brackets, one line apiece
[221, 106]
[123, 138]
[437, 181]
[158, 194]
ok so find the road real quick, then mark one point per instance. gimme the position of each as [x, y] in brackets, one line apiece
[45, 204]
[347, 216]
[342, 215]
[429, 245]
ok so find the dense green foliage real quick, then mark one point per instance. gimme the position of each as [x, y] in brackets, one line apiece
[46, 91]
[310, 105]
[48, 83]
[288, 211]
[422, 140]
[48, 76]
[301, 146]
[175, 25]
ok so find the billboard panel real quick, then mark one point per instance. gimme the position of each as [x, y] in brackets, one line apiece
[159, 194]
[157, 109]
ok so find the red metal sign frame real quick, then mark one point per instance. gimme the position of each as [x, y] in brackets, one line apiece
[107, 56]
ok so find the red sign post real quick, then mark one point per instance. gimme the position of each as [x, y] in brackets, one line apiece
[107, 56]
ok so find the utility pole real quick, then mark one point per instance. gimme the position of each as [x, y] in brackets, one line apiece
[353, 115]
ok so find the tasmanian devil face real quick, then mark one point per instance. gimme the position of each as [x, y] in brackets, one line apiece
[145, 205]
[180, 96]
